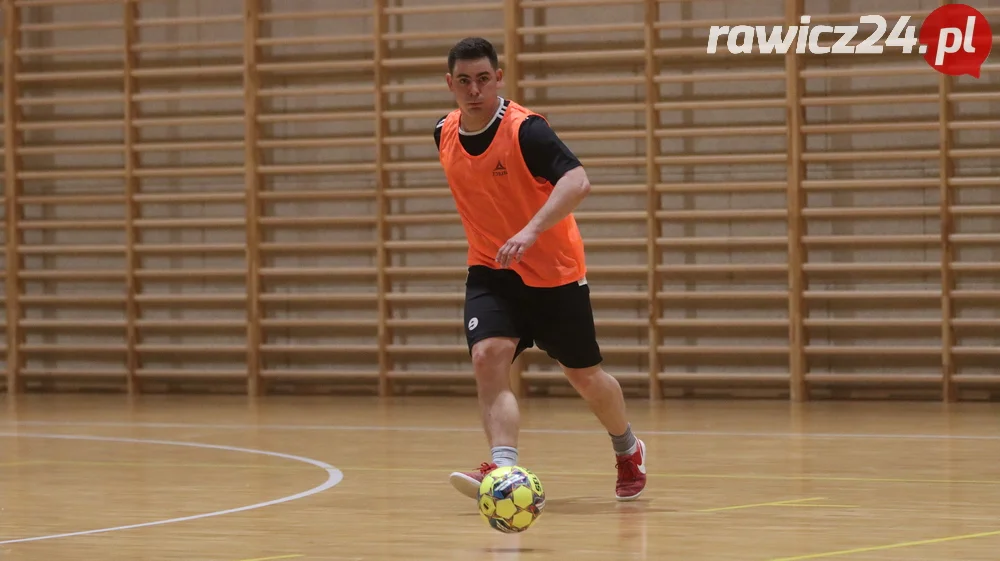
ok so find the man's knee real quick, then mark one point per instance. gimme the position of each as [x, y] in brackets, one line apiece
[492, 354]
[583, 378]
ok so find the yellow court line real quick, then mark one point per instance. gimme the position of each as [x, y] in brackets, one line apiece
[825, 506]
[789, 502]
[889, 546]
[293, 556]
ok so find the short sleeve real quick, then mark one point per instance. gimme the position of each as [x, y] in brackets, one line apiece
[544, 152]
[437, 131]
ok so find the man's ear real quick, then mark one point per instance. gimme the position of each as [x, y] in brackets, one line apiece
[450, 81]
[500, 76]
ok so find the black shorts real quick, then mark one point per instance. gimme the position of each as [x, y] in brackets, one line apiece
[559, 320]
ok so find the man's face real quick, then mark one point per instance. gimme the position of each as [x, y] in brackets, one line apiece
[474, 84]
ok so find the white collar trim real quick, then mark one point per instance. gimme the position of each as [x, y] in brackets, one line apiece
[497, 115]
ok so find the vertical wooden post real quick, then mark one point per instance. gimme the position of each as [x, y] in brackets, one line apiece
[512, 44]
[130, 11]
[12, 191]
[795, 202]
[251, 180]
[380, 24]
[513, 20]
[946, 167]
[653, 230]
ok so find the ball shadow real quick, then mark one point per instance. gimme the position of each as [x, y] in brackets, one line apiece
[515, 550]
[586, 506]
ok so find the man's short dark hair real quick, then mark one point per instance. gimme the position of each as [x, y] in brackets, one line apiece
[472, 48]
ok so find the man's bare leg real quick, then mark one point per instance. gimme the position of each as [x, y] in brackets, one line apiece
[501, 417]
[491, 360]
[603, 395]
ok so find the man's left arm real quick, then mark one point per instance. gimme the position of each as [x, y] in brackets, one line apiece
[568, 193]
[548, 157]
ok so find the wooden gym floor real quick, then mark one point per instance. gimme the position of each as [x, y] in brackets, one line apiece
[100, 478]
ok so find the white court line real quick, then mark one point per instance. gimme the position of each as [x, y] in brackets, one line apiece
[244, 426]
[334, 476]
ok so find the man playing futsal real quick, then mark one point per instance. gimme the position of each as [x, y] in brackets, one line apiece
[515, 185]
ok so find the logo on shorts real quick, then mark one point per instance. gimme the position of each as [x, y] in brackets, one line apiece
[473, 323]
[499, 171]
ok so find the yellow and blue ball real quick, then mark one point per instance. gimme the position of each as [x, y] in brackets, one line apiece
[511, 499]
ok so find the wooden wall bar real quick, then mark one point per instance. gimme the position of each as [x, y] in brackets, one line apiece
[245, 195]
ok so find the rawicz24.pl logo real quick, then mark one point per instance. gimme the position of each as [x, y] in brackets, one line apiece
[954, 39]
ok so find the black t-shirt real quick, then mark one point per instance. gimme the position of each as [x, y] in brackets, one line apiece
[546, 155]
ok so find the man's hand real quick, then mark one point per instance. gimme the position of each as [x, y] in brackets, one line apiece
[567, 193]
[515, 247]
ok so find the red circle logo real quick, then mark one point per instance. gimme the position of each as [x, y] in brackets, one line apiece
[956, 39]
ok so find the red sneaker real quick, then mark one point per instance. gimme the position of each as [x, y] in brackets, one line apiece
[631, 474]
[468, 482]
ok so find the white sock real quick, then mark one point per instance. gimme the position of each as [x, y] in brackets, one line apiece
[504, 456]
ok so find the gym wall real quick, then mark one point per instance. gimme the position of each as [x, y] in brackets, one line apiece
[244, 196]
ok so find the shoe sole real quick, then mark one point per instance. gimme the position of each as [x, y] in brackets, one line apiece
[630, 498]
[465, 485]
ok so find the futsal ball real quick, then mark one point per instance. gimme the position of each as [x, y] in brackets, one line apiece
[511, 498]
